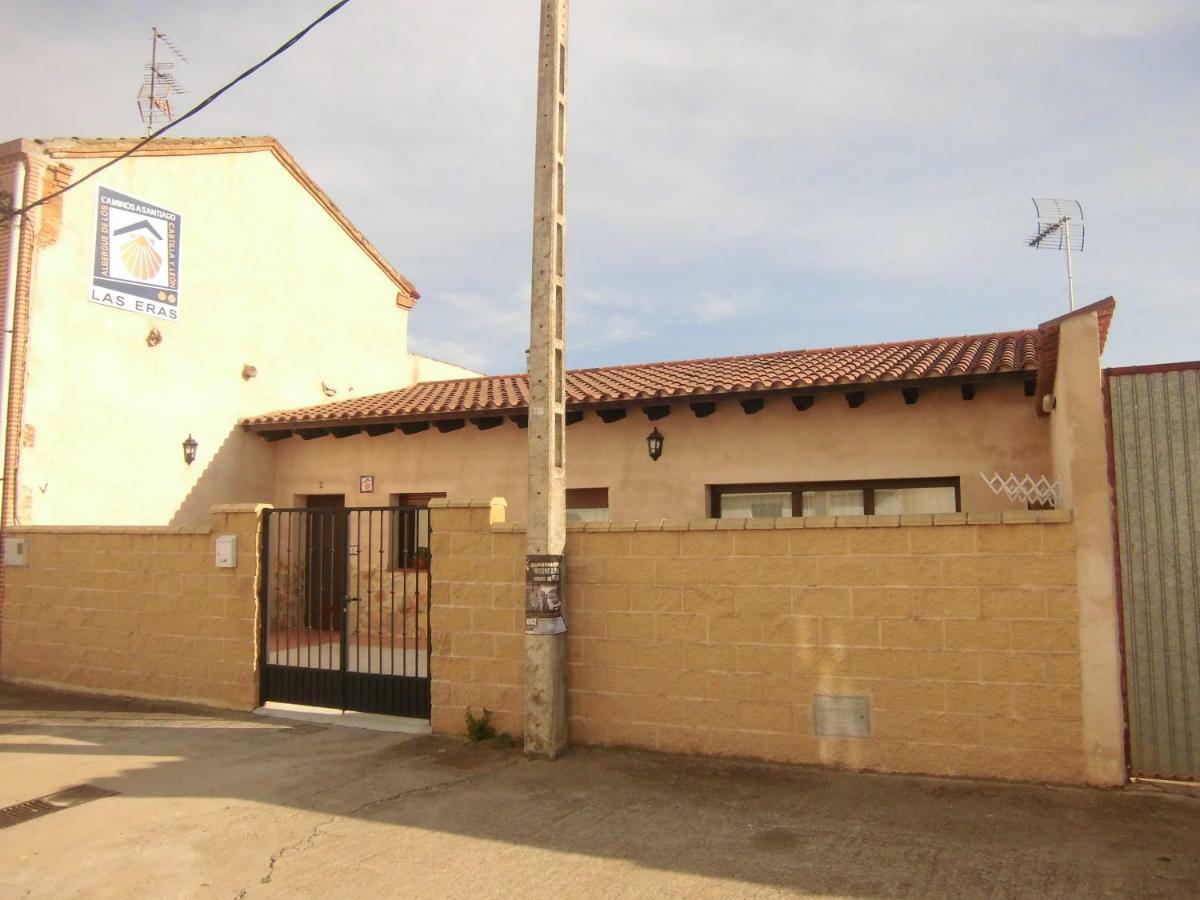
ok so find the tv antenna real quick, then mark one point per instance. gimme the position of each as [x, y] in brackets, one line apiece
[159, 84]
[1059, 227]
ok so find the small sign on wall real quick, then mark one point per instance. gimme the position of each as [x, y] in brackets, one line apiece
[841, 715]
[543, 595]
[366, 484]
[226, 551]
[16, 551]
[136, 264]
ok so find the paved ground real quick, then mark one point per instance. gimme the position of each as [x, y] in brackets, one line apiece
[228, 805]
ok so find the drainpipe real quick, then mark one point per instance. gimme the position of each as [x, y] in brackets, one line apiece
[20, 259]
[20, 174]
[10, 300]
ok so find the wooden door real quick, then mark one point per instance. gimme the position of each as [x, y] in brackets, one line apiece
[327, 563]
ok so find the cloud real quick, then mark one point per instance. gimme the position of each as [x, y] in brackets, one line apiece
[740, 176]
[487, 333]
[713, 307]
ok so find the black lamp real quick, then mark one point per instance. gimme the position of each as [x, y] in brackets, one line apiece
[654, 443]
[189, 450]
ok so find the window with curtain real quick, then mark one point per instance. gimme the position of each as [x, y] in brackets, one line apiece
[841, 498]
[831, 503]
[906, 501]
[773, 505]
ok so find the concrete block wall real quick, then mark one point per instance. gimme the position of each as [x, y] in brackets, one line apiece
[714, 636]
[137, 611]
[477, 618]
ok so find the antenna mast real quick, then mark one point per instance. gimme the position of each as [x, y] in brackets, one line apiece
[158, 84]
[1059, 225]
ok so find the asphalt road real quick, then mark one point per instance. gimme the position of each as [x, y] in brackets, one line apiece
[226, 805]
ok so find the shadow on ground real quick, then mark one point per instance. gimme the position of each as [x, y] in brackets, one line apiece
[225, 804]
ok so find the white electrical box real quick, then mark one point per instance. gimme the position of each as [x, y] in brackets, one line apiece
[227, 551]
[16, 551]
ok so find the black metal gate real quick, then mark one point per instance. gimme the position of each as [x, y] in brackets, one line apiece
[344, 597]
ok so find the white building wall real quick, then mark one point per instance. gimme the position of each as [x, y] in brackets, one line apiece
[268, 278]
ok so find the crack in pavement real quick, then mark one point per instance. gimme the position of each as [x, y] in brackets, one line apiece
[317, 830]
[435, 786]
[275, 857]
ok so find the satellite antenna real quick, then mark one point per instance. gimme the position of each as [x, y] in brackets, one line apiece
[158, 84]
[1059, 227]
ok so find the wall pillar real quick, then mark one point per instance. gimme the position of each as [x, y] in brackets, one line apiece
[1079, 451]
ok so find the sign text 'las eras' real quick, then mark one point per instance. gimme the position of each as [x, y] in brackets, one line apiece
[137, 256]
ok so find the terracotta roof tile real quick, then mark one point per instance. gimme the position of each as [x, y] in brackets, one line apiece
[901, 361]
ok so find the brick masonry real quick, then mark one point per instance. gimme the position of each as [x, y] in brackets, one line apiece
[137, 611]
[713, 636]
[8, 169]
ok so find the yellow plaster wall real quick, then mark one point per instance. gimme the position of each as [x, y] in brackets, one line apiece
[705, 636]
[136, 611]
[942, 435]
[267, 278]
[1080, 452]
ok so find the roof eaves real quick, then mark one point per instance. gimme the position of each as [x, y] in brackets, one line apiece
[317, 417]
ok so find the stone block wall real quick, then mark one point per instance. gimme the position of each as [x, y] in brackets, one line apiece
[137, 611]
[714, 636]
[477, 618]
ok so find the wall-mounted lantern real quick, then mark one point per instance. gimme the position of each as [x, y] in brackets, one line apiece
[189, 450]
[654, 443]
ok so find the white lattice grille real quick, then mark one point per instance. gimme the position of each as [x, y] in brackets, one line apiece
[1041, 492]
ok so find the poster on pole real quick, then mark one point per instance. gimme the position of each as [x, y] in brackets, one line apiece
[543, 595]
[136, 265]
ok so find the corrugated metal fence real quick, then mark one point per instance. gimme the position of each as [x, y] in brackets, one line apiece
[1156, 463]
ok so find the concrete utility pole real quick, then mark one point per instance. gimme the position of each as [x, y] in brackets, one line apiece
[545, 629]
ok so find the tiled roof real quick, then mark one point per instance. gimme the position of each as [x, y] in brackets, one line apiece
[972, 356]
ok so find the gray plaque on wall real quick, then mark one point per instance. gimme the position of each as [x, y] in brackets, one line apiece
[841, 715]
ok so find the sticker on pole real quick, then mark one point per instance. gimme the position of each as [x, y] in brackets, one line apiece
[543, 595]
[136, 266]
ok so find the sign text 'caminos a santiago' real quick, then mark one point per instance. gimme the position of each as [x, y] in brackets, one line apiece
[137, 256]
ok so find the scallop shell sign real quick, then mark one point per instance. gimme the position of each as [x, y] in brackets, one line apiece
[136, 264]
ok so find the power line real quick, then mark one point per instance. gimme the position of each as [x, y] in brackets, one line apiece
[187, 115]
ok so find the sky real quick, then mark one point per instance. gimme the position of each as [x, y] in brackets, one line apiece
[742, 177]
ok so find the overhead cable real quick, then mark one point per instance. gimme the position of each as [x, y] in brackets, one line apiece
[187, 115]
